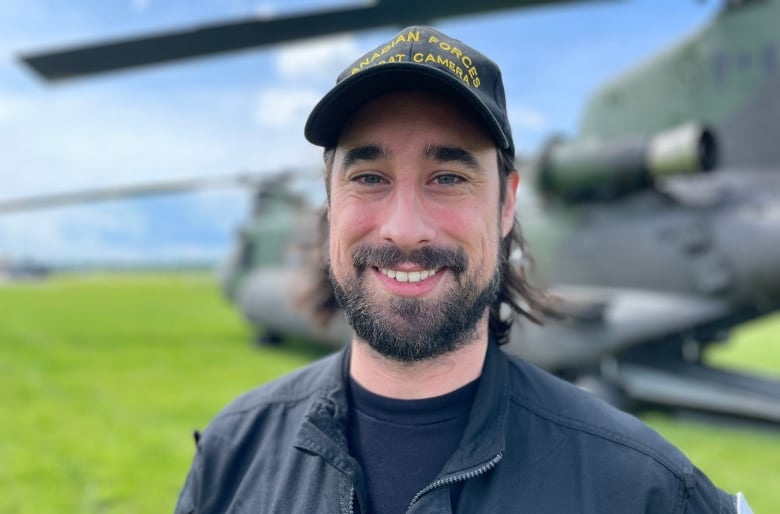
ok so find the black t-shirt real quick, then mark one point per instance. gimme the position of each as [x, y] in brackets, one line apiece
[402, 445]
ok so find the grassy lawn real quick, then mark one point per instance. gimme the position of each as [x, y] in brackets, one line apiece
[104, 378]
[737, 458]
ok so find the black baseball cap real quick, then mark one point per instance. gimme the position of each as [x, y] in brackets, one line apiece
[418, 57]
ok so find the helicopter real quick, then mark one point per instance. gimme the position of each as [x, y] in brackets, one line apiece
[657, 228]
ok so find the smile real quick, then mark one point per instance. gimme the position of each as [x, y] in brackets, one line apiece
[408, 276]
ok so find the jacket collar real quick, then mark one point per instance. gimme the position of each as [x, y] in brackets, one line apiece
[485, 436]
[324, 428]
[323, 431]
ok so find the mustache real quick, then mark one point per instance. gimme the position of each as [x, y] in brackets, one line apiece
[427, 257]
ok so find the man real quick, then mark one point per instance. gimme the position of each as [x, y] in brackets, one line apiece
[422, 412]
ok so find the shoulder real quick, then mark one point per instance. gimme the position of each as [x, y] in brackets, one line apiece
[557, 402]
[585, 436]
[243, 447]
[292, 393]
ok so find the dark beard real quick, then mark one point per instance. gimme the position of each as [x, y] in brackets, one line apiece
[414, 329]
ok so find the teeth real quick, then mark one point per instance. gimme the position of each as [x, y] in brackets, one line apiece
[408, 276]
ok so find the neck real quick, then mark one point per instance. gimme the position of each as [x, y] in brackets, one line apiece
[416, 380]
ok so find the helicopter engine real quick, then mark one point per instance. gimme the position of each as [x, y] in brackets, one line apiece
[600, 171]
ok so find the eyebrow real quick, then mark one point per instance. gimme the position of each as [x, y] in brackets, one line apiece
[451, 154]
[364, 153]
[439, 153]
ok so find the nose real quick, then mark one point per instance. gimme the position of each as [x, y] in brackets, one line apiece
[405, 220]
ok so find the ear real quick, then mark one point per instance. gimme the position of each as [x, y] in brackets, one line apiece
[508, 208]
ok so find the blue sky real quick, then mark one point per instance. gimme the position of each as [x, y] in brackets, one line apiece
[245, 111]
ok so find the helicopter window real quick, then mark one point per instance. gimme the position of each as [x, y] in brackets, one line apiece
[614, 98]
[743, 61]
[762, 59]
[719, 63]
[770, 58]
[245, 250]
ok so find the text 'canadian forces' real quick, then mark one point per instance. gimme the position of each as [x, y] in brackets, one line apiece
[443, 53]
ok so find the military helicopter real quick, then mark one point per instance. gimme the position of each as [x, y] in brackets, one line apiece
[658, 228]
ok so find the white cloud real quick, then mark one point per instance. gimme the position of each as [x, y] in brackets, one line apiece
[139, 5]
[318, 60]
[68, 234]
[223, 209]
[119, 232]
[74, 139]
[527, 118]
[265, 10]
[284, 108]
[11, 107]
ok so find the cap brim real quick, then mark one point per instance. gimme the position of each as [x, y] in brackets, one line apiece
[329, 115]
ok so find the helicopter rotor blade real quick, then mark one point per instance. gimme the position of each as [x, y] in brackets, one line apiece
[48, 201]
[251, 33]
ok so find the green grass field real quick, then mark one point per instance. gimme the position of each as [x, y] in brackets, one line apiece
[104, 378]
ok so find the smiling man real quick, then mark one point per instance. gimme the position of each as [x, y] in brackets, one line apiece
[422, 412]
[416, 225]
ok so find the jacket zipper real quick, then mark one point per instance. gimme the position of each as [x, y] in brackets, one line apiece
[456, 478]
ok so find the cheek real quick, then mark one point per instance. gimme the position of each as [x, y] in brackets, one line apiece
[349, 226]
[477, 231]
[456, 223]
[350, 221]
[471, 227]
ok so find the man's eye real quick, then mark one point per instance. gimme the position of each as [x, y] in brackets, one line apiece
[448, 180]
[368, 179]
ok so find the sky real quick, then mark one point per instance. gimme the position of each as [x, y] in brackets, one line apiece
[245, 111]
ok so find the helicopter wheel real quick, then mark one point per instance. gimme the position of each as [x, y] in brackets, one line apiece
[268, 339]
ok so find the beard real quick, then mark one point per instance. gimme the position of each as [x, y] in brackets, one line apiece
[415, 329]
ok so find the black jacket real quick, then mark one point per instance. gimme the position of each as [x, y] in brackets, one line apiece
[533, 444]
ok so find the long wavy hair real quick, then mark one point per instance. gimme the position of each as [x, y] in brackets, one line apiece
[516, 292]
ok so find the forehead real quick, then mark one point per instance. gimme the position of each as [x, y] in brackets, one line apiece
[421, 116]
